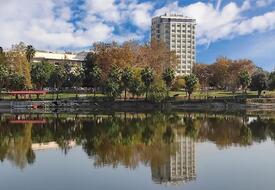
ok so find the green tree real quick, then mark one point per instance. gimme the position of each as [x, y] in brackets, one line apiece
[244, 79]
[2, 56]
[58, 78]
[4, 77]
[16, 82]
[147, 77]
[271, 81]
[92, 72]
[115, 74]
[135, 87]
[112, 89]
[30, 52]
[190, 84]
[126, 79]
[168, 76]
[259, 82]
[76, 77]
[41, 73]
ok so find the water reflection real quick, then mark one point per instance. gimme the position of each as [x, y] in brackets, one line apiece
[179, 167]
[164, 142]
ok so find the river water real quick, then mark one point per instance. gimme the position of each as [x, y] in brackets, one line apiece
[137, 151]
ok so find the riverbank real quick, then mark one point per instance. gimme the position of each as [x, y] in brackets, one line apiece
[140, 105]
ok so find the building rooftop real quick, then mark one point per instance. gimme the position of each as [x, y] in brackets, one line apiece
[175, 16]
[60, 56]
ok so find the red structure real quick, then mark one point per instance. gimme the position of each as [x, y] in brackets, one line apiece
[27, 93]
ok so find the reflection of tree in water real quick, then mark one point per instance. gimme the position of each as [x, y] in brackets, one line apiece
[130, 139]
[18, 150]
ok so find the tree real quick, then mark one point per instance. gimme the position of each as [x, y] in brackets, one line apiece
[126, 79]
[156, 56]
[244, 79]
[41, 73]
[75, 77]
[168, 76]
[220, 77]
[58, 77]
[147, 77]
[30, 52]
[92, 72]
[112, 89]
[4, 77]
[271, 81]
[115, 74]
[18, 63]
[259, 82]
[204, 74]
[190, 84]
[225, 73]
[135, 87]
[16, 82]
[115, 55]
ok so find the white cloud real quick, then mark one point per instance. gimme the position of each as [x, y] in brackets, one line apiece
[258, 23]
[140, 13]
[263, 3]
[46, 24]
[215, 23]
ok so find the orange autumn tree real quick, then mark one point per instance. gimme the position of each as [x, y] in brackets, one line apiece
[157, 56]
[130, 54]
[225, 72]
[110, 55]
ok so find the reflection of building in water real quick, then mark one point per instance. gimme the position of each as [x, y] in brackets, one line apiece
[180, 167]
[50, 145]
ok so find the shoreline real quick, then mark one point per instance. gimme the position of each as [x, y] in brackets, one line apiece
[132, 106]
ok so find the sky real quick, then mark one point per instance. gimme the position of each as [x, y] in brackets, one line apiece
[235, 29]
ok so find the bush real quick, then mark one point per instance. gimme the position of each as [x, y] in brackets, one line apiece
[157, 94]
[178, 84]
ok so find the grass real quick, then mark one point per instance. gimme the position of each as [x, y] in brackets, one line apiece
[222, 94]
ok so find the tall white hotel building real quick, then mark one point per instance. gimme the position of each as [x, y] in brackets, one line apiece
[178, 33]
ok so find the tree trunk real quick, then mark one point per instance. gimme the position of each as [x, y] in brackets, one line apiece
[125, 94]
[259, 93]
[189, 96]
[57, 93]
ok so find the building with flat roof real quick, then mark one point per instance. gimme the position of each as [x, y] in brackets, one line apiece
[178, 32]
[56, 58]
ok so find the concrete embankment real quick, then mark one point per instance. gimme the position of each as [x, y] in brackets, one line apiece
[133, 106]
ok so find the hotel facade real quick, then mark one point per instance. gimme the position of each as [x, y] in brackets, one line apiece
[178, 32]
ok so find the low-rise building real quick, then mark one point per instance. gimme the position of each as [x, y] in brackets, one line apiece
[56, 58]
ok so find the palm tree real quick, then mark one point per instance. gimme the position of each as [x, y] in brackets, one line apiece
[168, 76]
[147, 77]
[126, 78]
[30, 52]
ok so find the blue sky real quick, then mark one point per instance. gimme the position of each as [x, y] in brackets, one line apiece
[235, 29]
